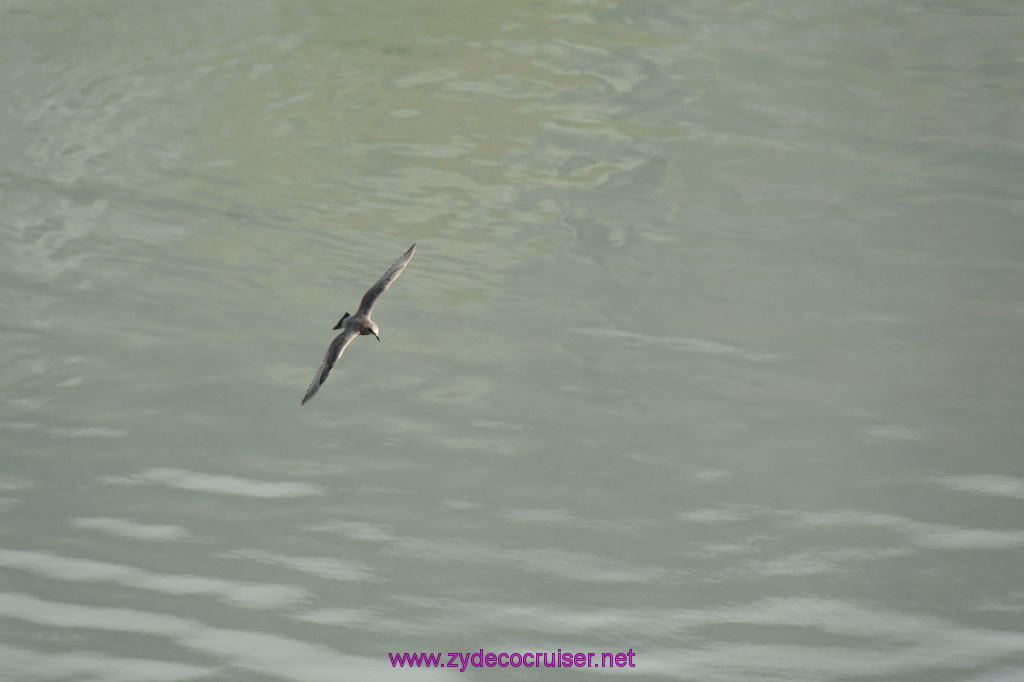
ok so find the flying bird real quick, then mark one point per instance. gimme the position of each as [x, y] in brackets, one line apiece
[352, 326]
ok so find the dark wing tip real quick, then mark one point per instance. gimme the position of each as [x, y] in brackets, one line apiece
[314, 386]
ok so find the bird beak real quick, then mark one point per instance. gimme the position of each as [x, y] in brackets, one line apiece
[378, 338]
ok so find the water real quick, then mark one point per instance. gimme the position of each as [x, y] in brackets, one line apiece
[729, 375]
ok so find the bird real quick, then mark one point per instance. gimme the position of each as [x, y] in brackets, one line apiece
[358, 324]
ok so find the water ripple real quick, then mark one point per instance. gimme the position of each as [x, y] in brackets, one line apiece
[682, 344]
[213, 483]
[23, 664]
[248, 595]
[997, 486]
[904, 643]
[264, 654]
[563, 564]
[355, 530]
[133, 530]
[931, 535]
[322, 567]
[87, 432]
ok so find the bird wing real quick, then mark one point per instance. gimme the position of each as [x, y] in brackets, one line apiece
[334, 352]
[374, 292]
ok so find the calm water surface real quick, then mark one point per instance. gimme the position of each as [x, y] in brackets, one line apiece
[710, 349]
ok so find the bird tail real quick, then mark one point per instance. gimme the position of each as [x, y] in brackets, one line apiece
[341, 321]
